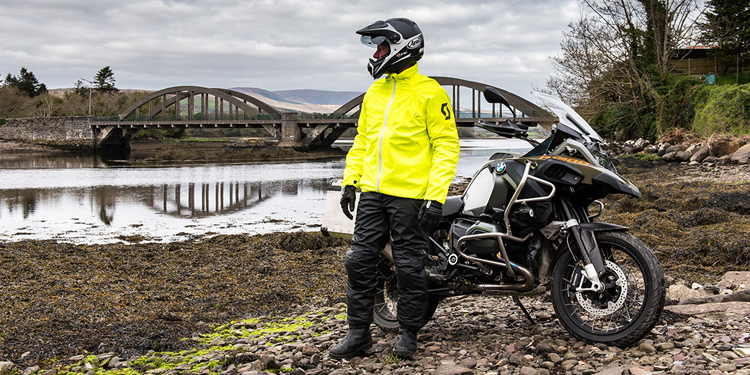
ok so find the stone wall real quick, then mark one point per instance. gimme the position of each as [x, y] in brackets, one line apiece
[51, 130]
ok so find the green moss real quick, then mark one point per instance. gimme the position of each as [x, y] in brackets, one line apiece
[140, 361]
[92, 360]
[234, 330]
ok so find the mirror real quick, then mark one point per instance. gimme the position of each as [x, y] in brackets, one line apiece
[494, 96]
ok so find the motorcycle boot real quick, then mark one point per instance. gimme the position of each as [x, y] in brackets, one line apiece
[406, 345]
[357, 340]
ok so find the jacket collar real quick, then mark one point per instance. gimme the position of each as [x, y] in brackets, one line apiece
[406, 74]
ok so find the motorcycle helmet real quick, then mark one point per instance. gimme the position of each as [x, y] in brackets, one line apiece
[403, 39]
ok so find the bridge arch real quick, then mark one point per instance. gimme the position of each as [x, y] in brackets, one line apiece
[529, 112]
[236, 101]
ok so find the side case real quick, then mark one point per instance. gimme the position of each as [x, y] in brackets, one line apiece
[335, 223]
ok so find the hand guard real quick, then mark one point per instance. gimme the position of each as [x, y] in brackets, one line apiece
[348, 198]
[430, 215]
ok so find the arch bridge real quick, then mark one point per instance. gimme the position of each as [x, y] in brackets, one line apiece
[194, 107]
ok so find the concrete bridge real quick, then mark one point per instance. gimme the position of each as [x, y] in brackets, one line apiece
[209, 108]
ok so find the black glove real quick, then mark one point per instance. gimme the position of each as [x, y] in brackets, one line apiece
[348, 197]
[430, 215]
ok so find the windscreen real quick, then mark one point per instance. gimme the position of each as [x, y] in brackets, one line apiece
[568, 116]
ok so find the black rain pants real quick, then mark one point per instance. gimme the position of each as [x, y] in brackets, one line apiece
[380, 217]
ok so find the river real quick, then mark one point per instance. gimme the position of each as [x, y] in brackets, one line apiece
[83, 200]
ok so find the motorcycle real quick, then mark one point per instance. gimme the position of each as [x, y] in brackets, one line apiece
[527, 225]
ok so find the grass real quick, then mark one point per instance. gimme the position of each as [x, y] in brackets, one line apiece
[391, 358]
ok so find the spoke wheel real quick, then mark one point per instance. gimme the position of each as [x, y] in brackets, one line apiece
[631, 302]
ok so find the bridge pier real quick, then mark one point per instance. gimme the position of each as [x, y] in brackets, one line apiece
[291, 134]
[113, 142]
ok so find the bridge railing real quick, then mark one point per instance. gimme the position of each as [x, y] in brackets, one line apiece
[195, 117]
[326, 116]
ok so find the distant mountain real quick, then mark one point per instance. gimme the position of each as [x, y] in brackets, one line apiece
[265, 93]
[318, 97]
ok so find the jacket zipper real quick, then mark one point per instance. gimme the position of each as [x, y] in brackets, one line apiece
[382, 133]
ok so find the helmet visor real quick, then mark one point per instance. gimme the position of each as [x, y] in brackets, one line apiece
[372, 41]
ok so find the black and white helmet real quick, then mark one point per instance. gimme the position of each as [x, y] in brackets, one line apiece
[404, 40]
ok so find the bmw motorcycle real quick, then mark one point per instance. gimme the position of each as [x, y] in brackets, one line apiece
[528, 225]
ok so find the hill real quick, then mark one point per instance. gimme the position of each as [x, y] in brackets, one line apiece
[304, 100]
[304, 96]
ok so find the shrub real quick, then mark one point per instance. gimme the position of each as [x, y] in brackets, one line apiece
[722, 109]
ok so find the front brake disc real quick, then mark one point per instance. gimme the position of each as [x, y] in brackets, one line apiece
[596, 308]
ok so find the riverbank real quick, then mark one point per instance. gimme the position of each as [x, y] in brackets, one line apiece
[183, 151]
[17, 147]
[196, 151]
[152, 306]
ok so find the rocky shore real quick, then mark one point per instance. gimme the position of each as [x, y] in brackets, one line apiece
[273, 303]
[679, 147]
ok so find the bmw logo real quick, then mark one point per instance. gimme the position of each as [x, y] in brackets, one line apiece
[500, 169]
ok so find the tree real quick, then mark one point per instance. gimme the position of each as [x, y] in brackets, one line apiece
[81, 89]
[104, 81]
[726, 27]
[615, 62]
[14, 103]
[26, 83]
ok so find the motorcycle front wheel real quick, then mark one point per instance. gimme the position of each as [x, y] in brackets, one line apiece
[631, 303]
[386, 298]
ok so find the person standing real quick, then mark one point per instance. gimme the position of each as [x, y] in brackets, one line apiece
[403, 160]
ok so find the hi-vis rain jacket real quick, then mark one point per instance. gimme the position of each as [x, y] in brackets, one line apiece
[406, 144]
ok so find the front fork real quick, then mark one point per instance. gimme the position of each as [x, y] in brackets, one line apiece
[593, 265]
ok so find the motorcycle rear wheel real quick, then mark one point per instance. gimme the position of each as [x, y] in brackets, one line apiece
[386, 298]
[633, 299]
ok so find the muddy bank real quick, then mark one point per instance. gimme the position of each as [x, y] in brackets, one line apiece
[25, 148]
[235, 151]
[59, 300]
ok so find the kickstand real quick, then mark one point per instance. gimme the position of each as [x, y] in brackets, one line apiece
[528, 316]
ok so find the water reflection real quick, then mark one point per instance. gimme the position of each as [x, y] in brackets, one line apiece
[36, 161]
[212, 199]
[23, 201]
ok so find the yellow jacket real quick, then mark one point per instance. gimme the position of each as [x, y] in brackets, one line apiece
[406, 144]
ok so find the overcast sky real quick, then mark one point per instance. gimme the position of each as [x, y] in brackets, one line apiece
[275, 44]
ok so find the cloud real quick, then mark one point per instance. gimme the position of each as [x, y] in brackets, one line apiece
[274, 44]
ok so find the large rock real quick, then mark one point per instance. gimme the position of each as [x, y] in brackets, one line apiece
[669, 156]
[736, 279]
[681, 156]
[722, 145]
[724, 310]
[741, 296]
[742, 155]
[449, 369]
[679, 292]
[700, 154]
